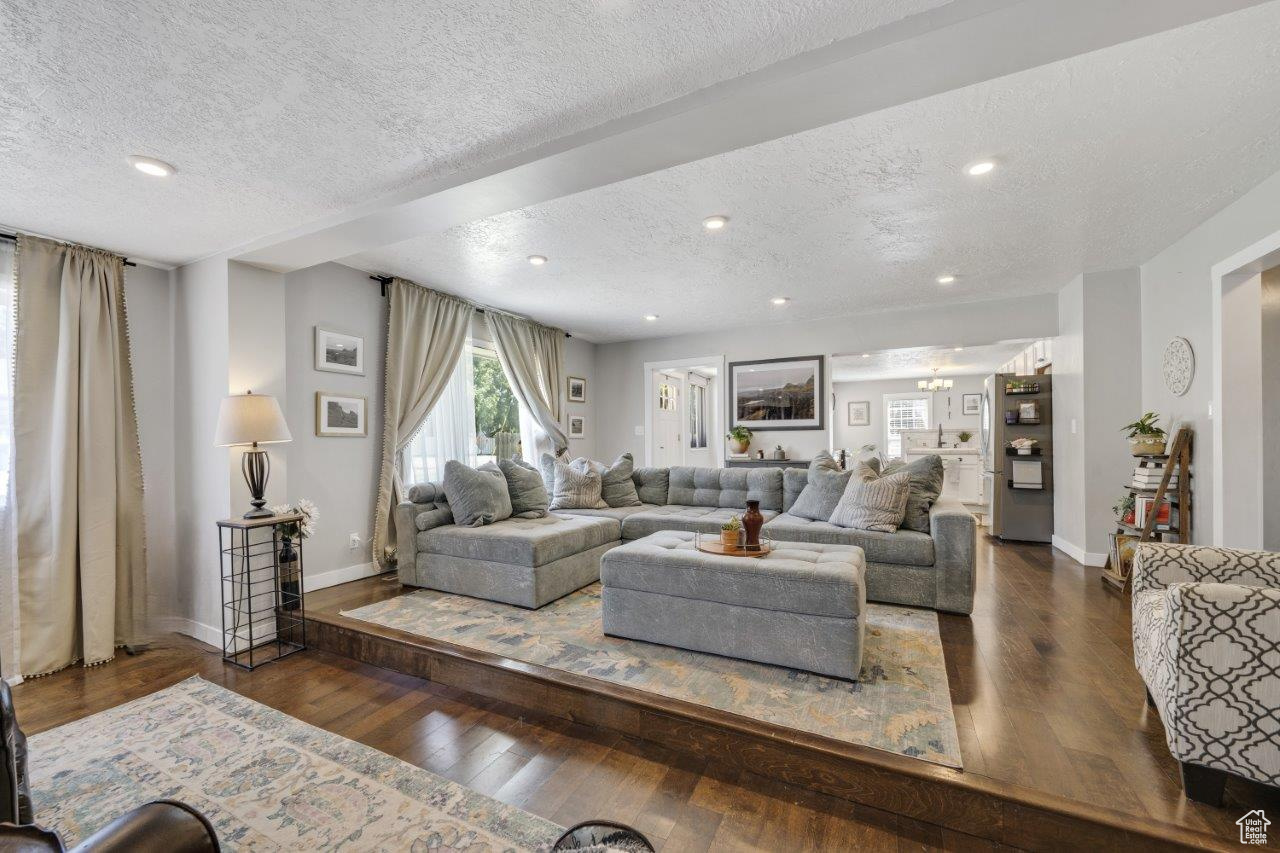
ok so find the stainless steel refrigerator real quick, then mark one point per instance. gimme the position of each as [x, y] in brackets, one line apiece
[1018, 487]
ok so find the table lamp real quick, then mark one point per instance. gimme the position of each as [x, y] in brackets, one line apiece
[252, 419]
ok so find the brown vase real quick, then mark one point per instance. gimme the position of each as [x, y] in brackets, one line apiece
[752, 520]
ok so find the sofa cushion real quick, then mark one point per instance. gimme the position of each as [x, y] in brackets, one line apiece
[652, 484]
[701, 519]
[577, 486]
[905, 547]
[726, 487]
[823, 580]
[522, 541]
[529, 498]
[877, 504]
[433, 515]
[793, 482]
[426, 493]
[926, 475]
[618, 512]
[477, 496]
[822, 492]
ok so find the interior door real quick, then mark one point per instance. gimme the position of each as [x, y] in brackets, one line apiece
[668, 409]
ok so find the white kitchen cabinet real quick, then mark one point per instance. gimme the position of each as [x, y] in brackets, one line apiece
[961, 479]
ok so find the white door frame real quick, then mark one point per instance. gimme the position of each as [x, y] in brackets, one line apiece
[679, 364]
[1237, 415]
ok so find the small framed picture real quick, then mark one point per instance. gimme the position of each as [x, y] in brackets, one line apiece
[341, 414]
[860, 413]
[339, 353]
[1029, 412]
[971, 404]
[577, 426]
[577, 389]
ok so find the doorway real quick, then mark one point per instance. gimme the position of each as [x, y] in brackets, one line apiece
[683, 412]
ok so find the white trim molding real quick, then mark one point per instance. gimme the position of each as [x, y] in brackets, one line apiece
[333, 577]
[1080, 555]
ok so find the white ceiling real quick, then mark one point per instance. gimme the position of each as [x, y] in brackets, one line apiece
[1106, 158]
[919, 362]
[277, 114]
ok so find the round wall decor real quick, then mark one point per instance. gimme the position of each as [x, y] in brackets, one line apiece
[1179, 365]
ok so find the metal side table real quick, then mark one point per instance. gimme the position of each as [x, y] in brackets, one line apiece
[263, 617]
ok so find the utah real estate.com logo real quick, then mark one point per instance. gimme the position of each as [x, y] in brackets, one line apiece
[1253, 827]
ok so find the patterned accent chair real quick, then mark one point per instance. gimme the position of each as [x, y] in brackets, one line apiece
[1206, 640]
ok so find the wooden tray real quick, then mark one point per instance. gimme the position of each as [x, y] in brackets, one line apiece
[718, 547]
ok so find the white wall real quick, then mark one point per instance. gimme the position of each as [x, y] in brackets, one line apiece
[947, 408]
[580, 360]
[1096, 390]
[1177, 299]
[620, 366]
[150, 301]
[339, 475]
[1271, 409]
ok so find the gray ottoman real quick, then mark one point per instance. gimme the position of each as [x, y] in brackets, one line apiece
[802, 606]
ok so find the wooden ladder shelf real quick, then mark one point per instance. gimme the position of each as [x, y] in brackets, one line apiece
[1178, 459]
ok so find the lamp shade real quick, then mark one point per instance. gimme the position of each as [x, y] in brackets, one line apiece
[249, 419]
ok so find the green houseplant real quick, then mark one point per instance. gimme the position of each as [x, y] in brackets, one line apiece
[730, 531]
[1146, 436]
[741, 438]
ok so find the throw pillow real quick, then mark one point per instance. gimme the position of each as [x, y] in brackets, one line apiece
[582, 463]
[577, 487]
[876, 504]
[823, 459]
[821, 492]
[616, 487]
[926, 485]
[477, 496]
[529, 498]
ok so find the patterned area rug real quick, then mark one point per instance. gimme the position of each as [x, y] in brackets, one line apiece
[266, 780]
[901, 704]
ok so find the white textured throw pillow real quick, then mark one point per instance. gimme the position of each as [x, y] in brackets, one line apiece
[576, 488]
[874, 504]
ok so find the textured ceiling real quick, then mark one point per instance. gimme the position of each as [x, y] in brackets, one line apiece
[1105, 158]
[919, 362]
[277, 114]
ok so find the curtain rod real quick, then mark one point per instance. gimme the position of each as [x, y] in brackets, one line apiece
[384, 280]
[14, 237]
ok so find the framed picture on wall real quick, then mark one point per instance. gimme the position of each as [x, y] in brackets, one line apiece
[971, 404]
[341, 415]
[860, 413]
[339, 353]
[577, 392]
[577, 426]
[777, 393]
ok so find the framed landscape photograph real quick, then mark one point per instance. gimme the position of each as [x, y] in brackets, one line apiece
[577, 426]
[971, 404]
[860, 413]
[776, 393]
[340, 415]
[577, 389]
[339, 353]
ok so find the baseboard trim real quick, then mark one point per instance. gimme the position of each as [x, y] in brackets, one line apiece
[333, 577]
[207, 634]
[1080, 555]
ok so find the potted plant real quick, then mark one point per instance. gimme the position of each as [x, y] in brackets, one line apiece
[729, 532]
[1125, 509]
[741, 438]
[964, 436]
[1146, 437]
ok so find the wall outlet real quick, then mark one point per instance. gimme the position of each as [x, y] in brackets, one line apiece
[354, 543]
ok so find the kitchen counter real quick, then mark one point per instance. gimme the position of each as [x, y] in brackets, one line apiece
[942, 451]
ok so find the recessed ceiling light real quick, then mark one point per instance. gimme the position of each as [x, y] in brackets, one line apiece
[780, 300]
[959, 349]
[537, 260]
[946, 279]
[979, 167]
[151, 166]
[651, 317]
[715, 223]
[866, 355]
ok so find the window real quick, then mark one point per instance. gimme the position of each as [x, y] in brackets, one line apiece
[667, 396]
[902, 412]
[697, 416]
[476, 419]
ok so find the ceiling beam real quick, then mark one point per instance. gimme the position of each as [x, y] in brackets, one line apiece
[959, 44]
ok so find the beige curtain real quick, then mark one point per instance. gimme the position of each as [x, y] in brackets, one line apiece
[77, 465]
[532, 358]
[425, 334]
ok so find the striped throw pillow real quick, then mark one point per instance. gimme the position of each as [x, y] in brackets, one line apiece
[874, 504]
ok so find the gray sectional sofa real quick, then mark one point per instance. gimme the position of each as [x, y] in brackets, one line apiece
[530, 562]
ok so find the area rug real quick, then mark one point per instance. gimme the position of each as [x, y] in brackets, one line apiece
[901, 704]
[264, 779]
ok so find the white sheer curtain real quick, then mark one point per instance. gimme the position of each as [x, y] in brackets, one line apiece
[449, 432]
[8, 556]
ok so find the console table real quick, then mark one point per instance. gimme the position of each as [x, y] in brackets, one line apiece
[766, 463]
[262, 612]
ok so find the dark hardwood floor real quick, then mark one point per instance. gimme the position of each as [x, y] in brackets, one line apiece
[1042, 682]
